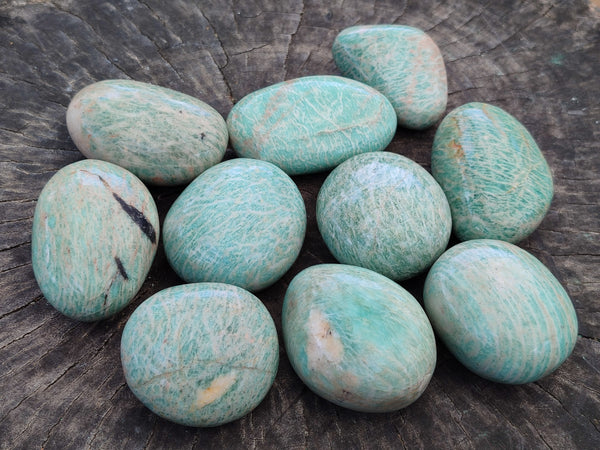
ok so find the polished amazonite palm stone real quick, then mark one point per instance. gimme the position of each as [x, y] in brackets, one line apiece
[200, 354]
[500, 311]
[401, 62]
[163, 136]
[311, 124]
[357, 338]
[95, 234]
[384, 212]
[497, 181]
[240, 222]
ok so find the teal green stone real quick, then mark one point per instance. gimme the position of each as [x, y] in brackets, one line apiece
[497, 181]
[241, 222]
[384, 212]
[94, 237]
[200, 354]
[401, 62]
[500, 311]
[357, 338]
[162, 136]
[311, 124]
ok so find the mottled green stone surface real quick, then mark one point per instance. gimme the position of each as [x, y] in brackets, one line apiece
[497, 181]
[500, 311]
[357, 338]
[163, 136]
[401, 62]
[241, 222]
[311, 124]
[95, 234]
[384, 212]
[200, 354]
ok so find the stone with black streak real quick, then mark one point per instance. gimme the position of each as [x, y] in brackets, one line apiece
[163, 136]
[95, 234]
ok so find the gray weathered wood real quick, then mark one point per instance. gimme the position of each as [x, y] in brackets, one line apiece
[61, 383]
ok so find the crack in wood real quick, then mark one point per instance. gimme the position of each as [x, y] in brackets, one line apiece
[20, 308]
[98, 35]
[539, 385]
[28, 333]
[15, 267]
[291, 41]
[250, 50]
[79, 377]
[151, 434]
[20, 244]
[400, 437]
[154, 44]
[158, 17]
[42, 388]
[60, 419]
[502, 41]
[100, 422]
[592, 338]
[220, 68]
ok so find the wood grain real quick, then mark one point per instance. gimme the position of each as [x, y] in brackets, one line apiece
[61, 383]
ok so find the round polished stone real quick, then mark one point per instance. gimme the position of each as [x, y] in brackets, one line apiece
[497, 181]
[357, 338]
[401, 62]
[500, 311]
[162, 136]
[200, 354]
[241, 222]
[384, 212]
[311, 124]
[95, 234]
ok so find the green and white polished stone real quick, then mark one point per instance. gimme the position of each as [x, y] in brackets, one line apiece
[311, 124]
[241, 222]
[497, 181]
[357, 338]
[384, 212]
[200, 354]
[500, 311]
[401, 62]
[162, 136]
[95, 234]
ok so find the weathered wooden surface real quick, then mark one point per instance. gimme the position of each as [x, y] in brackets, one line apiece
[61, 383]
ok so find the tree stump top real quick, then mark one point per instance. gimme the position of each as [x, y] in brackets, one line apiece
[61, 382]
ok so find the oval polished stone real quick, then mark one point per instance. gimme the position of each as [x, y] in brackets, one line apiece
[497, 181]
[200, 354]
[311, 124]
[401, 62]
[384, 212]
[95, 234]
[162, 136]
[500, 311]
[357, 338]
[241, 222]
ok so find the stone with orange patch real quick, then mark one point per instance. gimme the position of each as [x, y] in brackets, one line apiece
[495, 177]
[401, 62]
[357, 338]
[200, 354]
